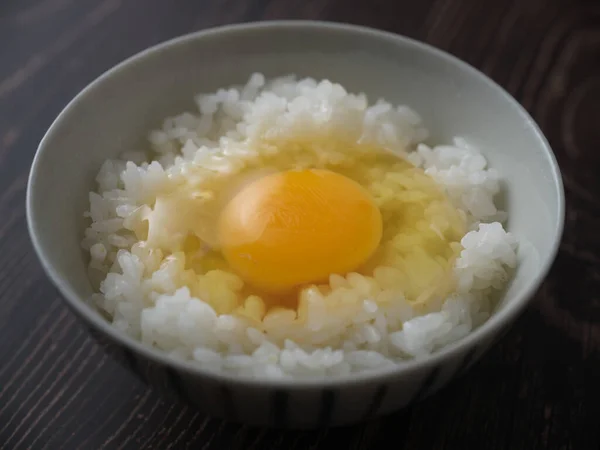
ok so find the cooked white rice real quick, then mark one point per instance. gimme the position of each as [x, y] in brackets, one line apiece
[142, 293]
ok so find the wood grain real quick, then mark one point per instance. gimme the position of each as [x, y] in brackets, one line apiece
[537, 389]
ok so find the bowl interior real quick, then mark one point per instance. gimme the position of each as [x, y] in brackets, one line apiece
[117, 111]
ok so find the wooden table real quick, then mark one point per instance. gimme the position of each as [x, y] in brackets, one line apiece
[539, 388]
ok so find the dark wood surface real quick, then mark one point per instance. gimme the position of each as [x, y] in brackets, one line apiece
[539, 388]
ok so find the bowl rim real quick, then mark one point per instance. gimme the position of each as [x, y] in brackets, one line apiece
[488, 330]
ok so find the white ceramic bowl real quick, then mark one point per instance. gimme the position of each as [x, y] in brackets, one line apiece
[116, 111]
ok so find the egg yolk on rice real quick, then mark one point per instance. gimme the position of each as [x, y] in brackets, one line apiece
[324, 210]
[298, 227]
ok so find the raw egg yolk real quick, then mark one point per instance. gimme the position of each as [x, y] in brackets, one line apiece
[296, 227]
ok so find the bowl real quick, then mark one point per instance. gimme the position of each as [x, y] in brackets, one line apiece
[116, 111]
